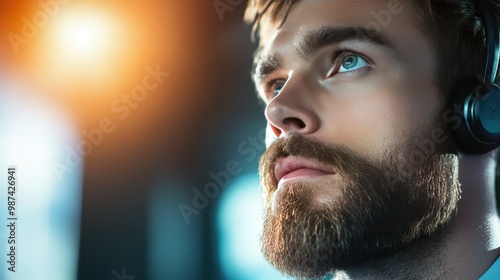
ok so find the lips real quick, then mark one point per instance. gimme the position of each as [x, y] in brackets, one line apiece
[293, 167]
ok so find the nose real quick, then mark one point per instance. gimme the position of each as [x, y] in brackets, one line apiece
[293, 110]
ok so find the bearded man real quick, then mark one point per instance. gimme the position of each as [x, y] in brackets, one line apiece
[382, 134]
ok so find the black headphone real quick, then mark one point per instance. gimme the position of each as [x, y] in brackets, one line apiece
[479, 131]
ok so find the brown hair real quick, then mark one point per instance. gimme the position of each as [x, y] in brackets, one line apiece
[454, 26]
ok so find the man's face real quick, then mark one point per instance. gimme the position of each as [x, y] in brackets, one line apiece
[359, 169]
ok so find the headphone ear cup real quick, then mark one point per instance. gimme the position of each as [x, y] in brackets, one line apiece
[478, 107]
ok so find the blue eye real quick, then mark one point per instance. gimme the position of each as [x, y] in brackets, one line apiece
[352, 62]
[275, 88]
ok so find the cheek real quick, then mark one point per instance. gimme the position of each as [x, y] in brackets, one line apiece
[379, 116]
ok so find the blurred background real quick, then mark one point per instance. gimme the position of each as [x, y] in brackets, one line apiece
[135, 133]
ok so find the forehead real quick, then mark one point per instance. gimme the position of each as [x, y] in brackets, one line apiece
[395, 19]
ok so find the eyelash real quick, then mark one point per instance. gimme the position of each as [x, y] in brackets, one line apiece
[336, 57]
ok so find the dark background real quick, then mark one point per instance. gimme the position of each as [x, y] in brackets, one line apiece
[215, 110]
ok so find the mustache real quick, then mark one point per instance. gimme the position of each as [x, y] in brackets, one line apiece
[344, 160]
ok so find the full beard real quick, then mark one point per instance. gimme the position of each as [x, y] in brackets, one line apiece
[366, 210]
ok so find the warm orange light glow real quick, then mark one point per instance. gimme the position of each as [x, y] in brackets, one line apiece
[83, 46]
[86, 50]
[87, 53]
[84, 34]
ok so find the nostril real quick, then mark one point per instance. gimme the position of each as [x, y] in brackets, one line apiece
[276, 131]
[294, 121]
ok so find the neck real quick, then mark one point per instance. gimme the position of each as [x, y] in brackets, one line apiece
[465, 249]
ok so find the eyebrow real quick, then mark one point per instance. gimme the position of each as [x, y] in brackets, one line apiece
[316, 39]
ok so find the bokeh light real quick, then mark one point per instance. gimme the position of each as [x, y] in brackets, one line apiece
[84, 34]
